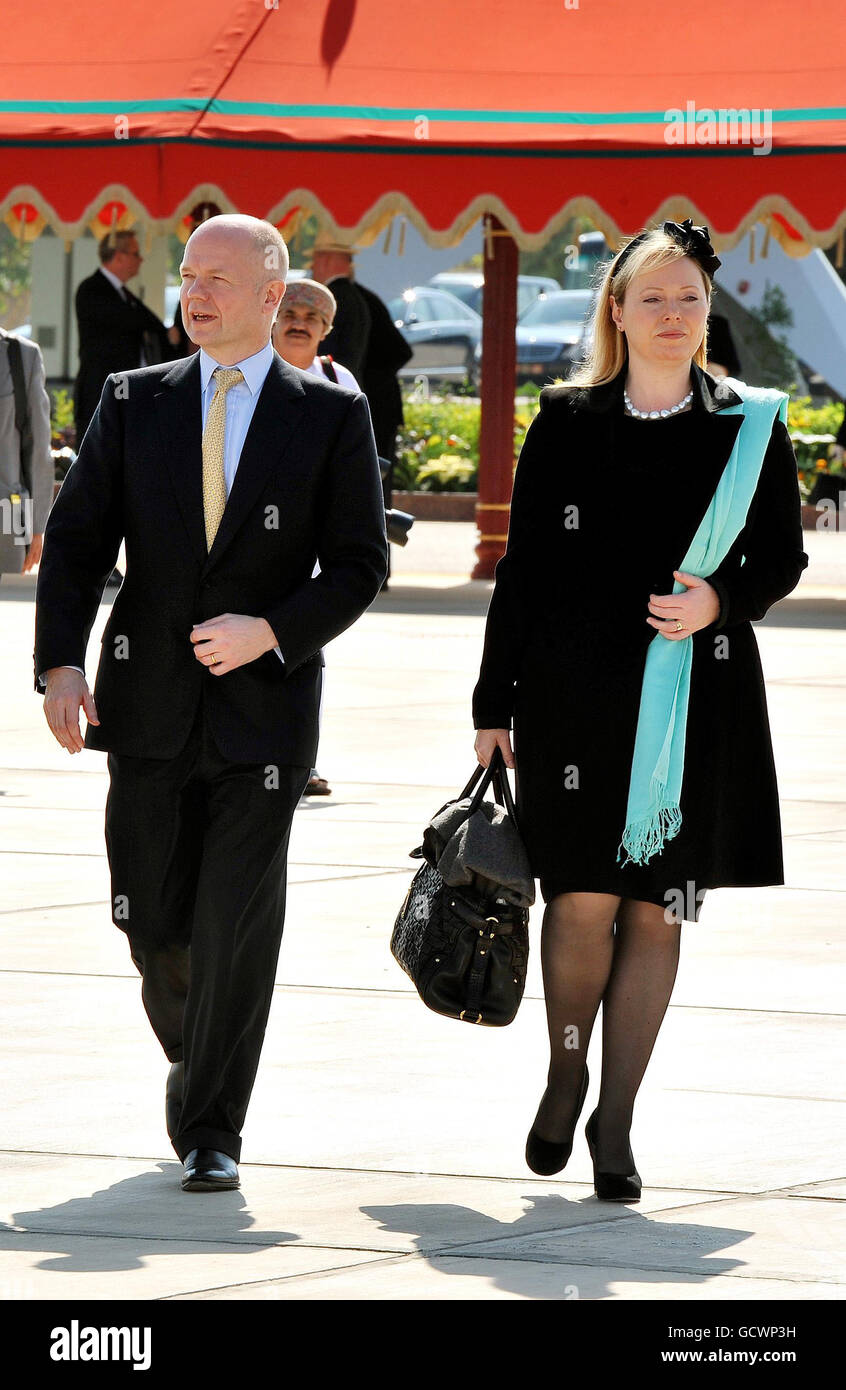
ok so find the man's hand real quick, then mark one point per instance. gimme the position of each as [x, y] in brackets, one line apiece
[696, 608]
[33, 553]
[232, 640]
[66, 690]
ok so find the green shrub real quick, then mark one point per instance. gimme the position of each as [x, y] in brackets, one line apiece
[61, 414]
[444, 432]
[448, 473]
[812, 431]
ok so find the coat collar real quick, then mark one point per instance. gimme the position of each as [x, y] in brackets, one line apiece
[711, 393]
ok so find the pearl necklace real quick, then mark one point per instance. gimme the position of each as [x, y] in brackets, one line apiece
[656, 414]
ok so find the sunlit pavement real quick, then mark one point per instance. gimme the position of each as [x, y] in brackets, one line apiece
[383, 1151]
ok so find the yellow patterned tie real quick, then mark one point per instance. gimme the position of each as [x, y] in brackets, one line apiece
[214, 477]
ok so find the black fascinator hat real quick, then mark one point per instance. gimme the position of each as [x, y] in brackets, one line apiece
[694, 241]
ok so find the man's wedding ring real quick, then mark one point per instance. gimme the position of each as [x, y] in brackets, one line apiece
[214, 659]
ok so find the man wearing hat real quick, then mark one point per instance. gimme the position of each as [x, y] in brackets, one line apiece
[304, 318]
[368, 341]
[332, 266]
[374, 358]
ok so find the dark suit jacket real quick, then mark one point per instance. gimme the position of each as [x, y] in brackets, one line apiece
[307, 488]
[112, 334]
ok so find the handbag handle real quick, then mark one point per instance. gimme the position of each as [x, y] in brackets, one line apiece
[481, 779]
[496, 773]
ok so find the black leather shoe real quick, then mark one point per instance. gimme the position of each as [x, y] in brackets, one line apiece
[547, 1158]
[611, 1187]
[173, 1097]
[209, 1170]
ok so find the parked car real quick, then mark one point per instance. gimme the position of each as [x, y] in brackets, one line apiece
[442, 332]
[468, 285]
[552, 333]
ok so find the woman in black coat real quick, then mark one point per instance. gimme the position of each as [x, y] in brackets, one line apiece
[616, 473]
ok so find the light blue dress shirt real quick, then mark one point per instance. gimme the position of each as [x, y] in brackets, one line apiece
[241, 401]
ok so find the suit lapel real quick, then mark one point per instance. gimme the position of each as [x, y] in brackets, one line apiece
[179, 406]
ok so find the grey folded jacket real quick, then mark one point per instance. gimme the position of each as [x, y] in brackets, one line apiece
[484, 851]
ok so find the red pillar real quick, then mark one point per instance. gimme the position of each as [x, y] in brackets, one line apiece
[499, 360]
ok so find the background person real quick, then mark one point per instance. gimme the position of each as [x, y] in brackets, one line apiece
[581, 593]
[26, 461]
[305, 317]
[117, 332]
[366, 339]
[722, 353]
[229, 474]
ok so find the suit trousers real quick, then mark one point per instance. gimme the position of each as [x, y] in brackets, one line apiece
[197, 849]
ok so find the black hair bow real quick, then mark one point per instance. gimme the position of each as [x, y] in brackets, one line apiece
[694, 241]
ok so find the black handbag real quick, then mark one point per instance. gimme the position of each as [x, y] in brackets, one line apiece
[465, 943]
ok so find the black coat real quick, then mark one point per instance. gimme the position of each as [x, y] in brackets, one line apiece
[387, 351]
[113, 332]
[566, 640]
[309, 462]
[367, 341]
[347, 341]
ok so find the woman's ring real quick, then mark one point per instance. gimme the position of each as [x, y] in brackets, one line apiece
[679, 627]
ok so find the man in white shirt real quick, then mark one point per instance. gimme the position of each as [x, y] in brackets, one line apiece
[305, 316]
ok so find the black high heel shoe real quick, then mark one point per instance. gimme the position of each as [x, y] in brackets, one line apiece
[542, 1155]
[611, 1187]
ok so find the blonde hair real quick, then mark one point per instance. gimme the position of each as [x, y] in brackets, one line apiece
[608, 351]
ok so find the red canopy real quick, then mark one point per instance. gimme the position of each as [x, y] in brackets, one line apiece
[357, 110]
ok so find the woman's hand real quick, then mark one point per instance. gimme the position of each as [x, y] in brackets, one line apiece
[695, 609]
[486, 742]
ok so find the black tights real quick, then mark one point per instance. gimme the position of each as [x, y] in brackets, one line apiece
[631, 972]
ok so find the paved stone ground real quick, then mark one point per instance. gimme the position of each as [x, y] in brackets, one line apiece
[383, 1152]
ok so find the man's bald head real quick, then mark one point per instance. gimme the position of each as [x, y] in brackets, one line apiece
[233, 278]
[259, 240]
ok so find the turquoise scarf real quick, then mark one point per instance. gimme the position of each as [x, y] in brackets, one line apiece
[652, 813]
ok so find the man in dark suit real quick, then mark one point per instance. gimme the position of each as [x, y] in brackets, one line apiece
[365, 338]
[116, 329]
[229, 473]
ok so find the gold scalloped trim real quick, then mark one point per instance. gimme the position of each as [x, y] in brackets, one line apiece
[380, 213]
